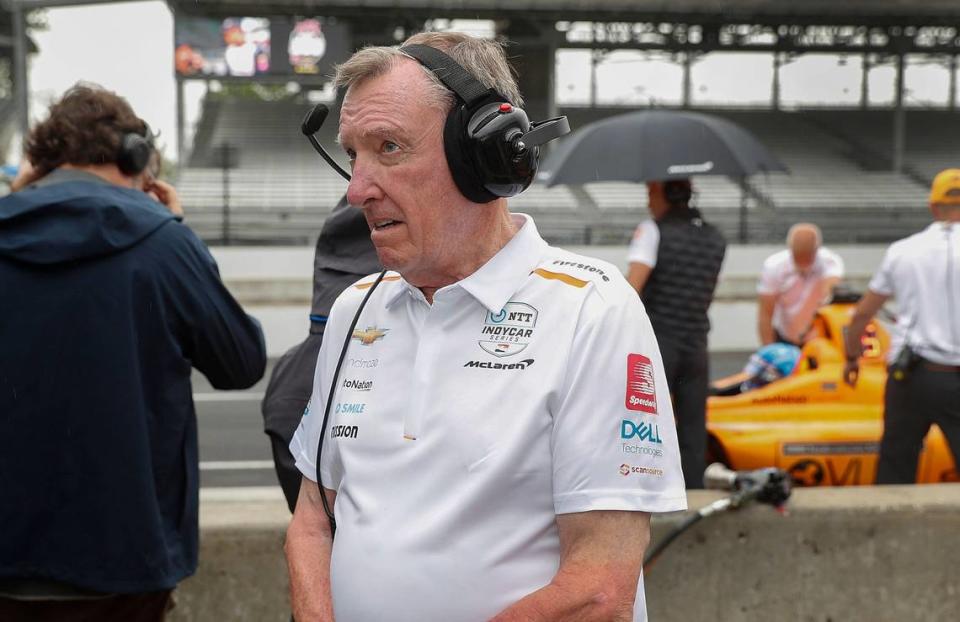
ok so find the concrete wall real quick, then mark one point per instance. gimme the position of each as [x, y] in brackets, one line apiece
[867, 553]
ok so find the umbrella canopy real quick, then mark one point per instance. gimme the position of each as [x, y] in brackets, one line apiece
[654, 145]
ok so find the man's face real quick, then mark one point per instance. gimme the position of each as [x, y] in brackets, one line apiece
[394, 138]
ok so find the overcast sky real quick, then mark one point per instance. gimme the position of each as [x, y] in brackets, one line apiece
[128, 47]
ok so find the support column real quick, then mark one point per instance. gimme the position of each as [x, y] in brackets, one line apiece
[775, 94]
[532, 52]
[865, 83]
[21, 85]
[687, 79]
[952, 97]
[899, 120]
[181, 132]
[595, 57]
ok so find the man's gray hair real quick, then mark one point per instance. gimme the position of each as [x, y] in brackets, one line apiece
[484, 60]
[804, 227]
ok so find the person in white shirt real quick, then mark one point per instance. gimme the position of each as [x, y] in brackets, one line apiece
[922, 272]
[500, 428]
[793, 283]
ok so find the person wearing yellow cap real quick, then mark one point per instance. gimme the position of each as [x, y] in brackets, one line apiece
[922, 272]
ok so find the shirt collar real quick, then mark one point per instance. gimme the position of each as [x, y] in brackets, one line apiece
[497, 280]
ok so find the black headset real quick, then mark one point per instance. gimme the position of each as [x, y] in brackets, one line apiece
[135, 152]
[492, 148]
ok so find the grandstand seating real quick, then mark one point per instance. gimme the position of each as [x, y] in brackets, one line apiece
[839, 160]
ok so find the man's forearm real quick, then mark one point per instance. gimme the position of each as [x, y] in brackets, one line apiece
[765, 328]
[308, 561]
[584, 598]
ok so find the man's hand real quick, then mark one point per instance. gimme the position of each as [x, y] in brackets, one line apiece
[308, 549]
[166, 194]
[26, 175]
[851, 372]
[601, 554]
[862, 314]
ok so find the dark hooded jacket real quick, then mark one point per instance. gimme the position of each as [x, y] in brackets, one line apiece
[105, 304]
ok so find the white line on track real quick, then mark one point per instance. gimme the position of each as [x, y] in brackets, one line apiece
[228, 396]
[235, 465]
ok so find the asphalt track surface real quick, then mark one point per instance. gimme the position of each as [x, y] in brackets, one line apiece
[234, 451]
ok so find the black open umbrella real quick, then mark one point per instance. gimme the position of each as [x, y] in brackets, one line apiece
[652, 145]
[655, 145]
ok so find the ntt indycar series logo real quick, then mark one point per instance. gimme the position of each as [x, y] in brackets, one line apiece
[641, 387]
[508, 332]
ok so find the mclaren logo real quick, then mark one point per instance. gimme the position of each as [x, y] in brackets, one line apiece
[369, 335]
[525, 363]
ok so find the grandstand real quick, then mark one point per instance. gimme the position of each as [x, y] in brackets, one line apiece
[281, 191]
[862, 173]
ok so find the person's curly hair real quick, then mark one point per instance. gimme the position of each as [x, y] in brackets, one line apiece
[85, 127]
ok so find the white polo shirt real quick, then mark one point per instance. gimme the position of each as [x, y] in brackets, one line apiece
[923, 273]
[533, 387]
[780, 277]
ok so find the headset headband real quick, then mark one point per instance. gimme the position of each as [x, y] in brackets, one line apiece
[470, 90]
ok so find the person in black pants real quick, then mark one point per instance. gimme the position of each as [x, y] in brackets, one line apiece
[344, 254]
[923, 385]
[675, 260]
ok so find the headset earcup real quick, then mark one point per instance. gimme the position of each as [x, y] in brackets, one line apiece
[134, 154]
[457, 149]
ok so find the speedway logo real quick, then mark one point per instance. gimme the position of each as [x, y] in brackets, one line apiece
[508, 332]
[642, 431]
[525, 363]
[641, 387]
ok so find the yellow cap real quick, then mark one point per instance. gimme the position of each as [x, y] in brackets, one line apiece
[945, 189]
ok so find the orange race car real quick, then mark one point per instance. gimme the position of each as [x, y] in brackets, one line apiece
[812, 424]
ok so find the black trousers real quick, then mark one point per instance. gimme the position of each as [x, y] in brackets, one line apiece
[926, 396]
[688, 373]
[146, 607]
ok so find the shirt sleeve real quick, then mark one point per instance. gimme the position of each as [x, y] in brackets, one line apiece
[769, 281]
[883, 281]
[305, 442]
[645, 244]
[614, 442]
[833, 266]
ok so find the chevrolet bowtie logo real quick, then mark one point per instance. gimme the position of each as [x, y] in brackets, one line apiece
[368, 336]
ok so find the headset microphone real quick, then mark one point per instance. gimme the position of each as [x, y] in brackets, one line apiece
[310, 126]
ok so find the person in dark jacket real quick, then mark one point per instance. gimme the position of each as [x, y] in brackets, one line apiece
[344, 254]
[675, 259]
[106, 302]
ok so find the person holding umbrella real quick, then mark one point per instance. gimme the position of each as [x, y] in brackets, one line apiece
[675, 260]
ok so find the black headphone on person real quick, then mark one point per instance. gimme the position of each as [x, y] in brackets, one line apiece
[492, 148]
[135, 152]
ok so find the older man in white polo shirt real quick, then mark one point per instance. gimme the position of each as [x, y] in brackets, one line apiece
[501, 426]
[793, 283]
